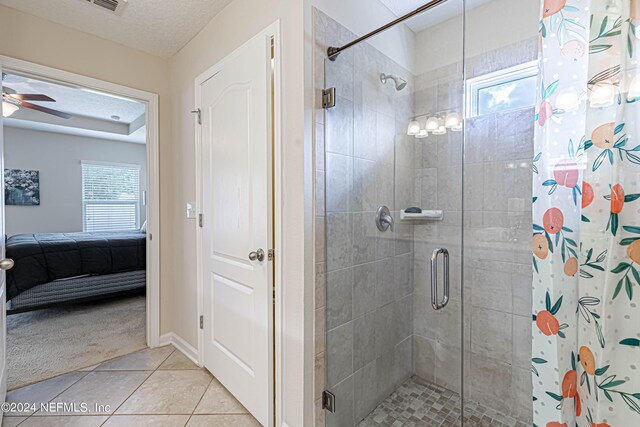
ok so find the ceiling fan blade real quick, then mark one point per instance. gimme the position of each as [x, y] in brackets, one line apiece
[45, 110]
[32, 97]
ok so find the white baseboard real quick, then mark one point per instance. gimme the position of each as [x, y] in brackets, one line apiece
[178, 342]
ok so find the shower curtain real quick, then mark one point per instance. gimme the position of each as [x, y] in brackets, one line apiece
[586, 216]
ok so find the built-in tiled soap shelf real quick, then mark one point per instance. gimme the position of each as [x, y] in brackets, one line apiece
[432, 215]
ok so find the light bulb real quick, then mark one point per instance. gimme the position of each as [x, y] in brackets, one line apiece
[568, 100]
[8, 109]
[432, 124]
[602, 95]
[634, 89]
[422, 134]
[440, 131]
[452, 120]
[414, 127]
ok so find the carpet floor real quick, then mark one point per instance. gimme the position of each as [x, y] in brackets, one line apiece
[44, 343]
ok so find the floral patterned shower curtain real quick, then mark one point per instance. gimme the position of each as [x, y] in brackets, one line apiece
[586, 216]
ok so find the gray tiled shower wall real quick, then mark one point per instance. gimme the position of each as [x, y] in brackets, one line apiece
[498, 224]
[374, 326]
[369, 279]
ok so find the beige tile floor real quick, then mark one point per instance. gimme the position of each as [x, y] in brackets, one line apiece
[157, 387]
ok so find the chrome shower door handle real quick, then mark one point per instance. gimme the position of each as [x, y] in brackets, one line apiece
[437, 305]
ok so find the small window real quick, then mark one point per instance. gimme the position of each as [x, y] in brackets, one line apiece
[508, 89]
[110, 196]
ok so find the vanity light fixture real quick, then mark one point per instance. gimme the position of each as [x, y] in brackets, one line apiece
[634, 89]
[568, 100]
[440, 131]
[437, 124]
[452, 120]
[414, 128]
[422, 134]
[602, 95]
[432, 124]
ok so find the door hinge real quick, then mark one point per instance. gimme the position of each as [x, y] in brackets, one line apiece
[201, 322]
[329, 401]
[200, 220]
[271, 254]
[199, 113]
[329, 98]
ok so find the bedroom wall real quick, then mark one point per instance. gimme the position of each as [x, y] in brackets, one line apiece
[58, 158]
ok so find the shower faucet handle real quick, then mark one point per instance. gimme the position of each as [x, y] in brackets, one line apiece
[384, 220]
[388, 219]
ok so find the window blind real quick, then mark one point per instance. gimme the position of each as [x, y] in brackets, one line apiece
[110, 196]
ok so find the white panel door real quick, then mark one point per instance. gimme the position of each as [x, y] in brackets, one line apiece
[237, 208]
[3, 283]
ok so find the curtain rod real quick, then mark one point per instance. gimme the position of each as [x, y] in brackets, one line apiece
[333, 52]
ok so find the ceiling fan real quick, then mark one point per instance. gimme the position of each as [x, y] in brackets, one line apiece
[12, 101]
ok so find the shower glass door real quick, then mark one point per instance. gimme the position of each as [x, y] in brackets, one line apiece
[393, 192]
[501, 75]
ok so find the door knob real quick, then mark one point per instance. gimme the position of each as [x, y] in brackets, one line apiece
[6, 264]
[253, 256]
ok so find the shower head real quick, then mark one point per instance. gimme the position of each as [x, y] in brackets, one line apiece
[399, 81]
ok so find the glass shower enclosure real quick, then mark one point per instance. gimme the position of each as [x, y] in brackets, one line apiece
[427, 228]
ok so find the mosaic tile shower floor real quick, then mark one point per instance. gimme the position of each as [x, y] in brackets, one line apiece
[418, 403]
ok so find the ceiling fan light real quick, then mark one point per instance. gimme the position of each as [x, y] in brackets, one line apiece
[8, 109]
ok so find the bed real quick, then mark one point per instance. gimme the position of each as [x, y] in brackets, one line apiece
[56, 268]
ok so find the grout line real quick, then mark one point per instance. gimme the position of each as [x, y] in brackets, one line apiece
[112, 414]
[200, 400]
[140, 385]
[46, 379]
[88, 372]
[67, 388]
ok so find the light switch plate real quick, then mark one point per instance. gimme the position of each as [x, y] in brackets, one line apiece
[191, 211]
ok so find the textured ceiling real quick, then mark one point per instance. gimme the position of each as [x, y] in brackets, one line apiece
[159, 27]
[433, 16]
